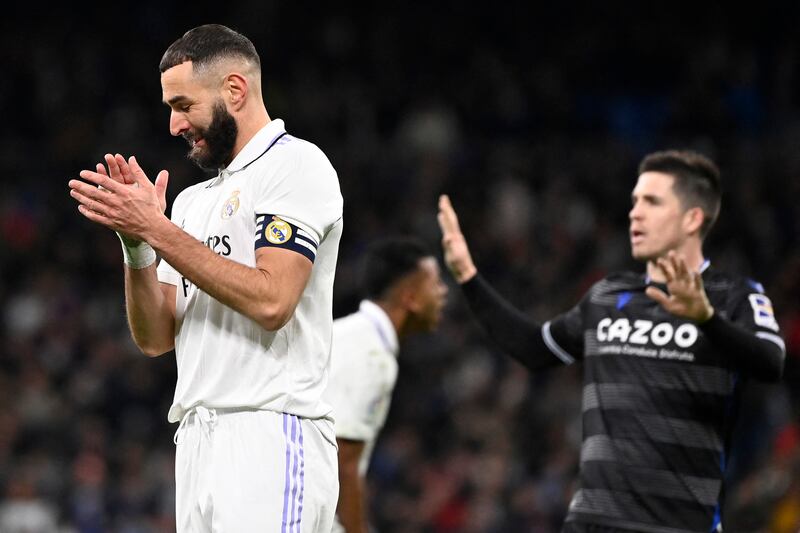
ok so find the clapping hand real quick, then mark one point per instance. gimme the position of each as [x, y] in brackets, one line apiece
[121, 197]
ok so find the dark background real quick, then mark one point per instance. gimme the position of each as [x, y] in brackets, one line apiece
[533, 119]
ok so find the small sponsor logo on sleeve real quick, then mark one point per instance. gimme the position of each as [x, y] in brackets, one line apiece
[763, 314]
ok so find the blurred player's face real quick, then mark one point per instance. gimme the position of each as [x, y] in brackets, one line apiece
[657, 218]
[428, 297]
[199, 115]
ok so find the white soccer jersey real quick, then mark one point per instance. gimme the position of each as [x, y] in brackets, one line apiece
[278, 191]
[363, 374]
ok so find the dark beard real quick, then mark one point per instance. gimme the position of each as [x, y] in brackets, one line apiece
[220, 138]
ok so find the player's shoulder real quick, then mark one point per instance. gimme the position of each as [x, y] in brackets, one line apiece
[353, 329]
[301, 150]
[302, 165]
[725, 282]
[346, 322]
[627, 278]
[617, 282]
[357, 333]
[733, 293]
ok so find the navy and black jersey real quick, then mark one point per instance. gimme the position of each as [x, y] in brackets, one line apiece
[659, 393]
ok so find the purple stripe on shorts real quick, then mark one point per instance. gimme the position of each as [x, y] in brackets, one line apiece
[286, 475]
[302, 479]
[295, 460]
[294, 473]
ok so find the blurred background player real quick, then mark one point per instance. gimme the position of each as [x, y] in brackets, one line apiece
[243, 293]
[664, 356]
[404, 294]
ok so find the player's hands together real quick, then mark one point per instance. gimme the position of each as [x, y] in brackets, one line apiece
[687, 297]
[121, 197]
[456, 252]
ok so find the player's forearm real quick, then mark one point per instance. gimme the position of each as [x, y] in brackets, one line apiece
[351, 501]
[761, 357]
[248, 290]
[150, 319]
[515, 333]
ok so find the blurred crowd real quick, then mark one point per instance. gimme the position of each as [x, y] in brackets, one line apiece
[533, 119]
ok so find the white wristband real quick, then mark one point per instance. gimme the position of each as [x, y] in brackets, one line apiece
[138, 254]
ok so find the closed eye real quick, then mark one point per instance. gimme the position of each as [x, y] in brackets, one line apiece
[180, 103]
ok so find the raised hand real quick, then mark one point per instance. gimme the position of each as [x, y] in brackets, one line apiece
[456, 252]
[687, 297]
[121, 198]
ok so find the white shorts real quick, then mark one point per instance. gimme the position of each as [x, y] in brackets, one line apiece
[250, 470]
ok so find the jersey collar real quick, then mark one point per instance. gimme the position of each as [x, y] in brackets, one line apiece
[703, 268]
[382, 324]
[255, 148]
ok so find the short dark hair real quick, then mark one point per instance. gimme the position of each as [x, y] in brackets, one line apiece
[388, 260]
[697, 181]
[208, 43]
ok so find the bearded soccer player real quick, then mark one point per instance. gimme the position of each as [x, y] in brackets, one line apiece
[664, 353]
[243, 293]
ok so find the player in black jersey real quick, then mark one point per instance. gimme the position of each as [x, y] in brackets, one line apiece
[664, 354]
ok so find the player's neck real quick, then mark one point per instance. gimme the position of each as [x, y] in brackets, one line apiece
[397, 316]
[249, 124]
[405, 322]
[694, 260]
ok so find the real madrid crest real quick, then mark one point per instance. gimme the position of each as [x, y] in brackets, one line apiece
[278, 231]
[230, 207]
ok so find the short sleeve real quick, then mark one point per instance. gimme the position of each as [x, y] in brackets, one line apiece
[167, 274]
[301, 202]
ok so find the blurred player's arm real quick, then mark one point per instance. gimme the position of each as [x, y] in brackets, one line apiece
[513, 331]
[350, 508]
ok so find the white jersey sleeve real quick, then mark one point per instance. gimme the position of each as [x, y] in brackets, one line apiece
[301, 203]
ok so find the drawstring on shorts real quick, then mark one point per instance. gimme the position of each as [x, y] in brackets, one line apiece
[204, 416]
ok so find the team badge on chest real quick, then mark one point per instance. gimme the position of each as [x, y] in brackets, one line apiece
[231, 205]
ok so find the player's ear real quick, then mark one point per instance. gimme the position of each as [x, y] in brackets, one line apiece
[409, 295]
[693, 219]
[235, 90]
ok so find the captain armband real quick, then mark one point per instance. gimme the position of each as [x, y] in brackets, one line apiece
[273, 231]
